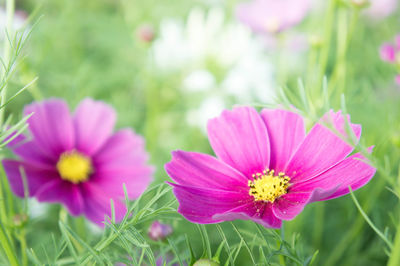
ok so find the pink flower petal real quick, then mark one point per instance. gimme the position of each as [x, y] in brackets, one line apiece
[352, 171]
[270, 16]
[290, 205]
[122, 159]
[94, 122]
[286, 131]
[36, 176]
[202, 170]
[63, 192]
[98, 204]
[31, 152]
[321, 149]
[257, 212]
[388, 53]
[199, 205]
[51, 126]
[240, 139]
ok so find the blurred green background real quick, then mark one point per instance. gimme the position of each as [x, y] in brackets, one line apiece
[167, 66]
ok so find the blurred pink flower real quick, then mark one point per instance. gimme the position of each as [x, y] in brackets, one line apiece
[390, 52]
[77, 160]
[380, 9]
[267, 168]
[145, 33]
[272, 16]
[159, 231]
[397, 79]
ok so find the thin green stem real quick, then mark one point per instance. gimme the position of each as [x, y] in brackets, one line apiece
[371, 224]
[6, 245]
[10, 8]
[394, 259]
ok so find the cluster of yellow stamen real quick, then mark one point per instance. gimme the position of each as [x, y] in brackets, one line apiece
[267, 186]
[74, 167]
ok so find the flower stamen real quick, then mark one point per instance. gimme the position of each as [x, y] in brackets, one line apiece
[267, 186]
[74, 167]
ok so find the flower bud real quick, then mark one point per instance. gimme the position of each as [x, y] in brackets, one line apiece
[145, 33]
[159, 231]
[205, 262]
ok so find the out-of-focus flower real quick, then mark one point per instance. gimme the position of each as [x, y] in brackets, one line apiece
[20, 219]
[267, 168]
[391, 53]
[19, 20]
[207, 109]
[77, 161]
[380, 9]
[397, 79]
[159, 231]
[271, 16]
[145, 33]
[199, 80]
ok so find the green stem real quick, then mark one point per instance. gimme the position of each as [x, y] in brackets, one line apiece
[330, 16]
[6, 245]
[394, 259]
[355, 230]
[10, 8]
[22, 241]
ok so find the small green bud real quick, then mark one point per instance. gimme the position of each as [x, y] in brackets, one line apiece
[205, 262]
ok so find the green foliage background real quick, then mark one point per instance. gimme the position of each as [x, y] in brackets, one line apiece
[83, 49]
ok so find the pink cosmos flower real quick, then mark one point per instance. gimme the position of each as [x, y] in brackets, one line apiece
[159, 231]
[267, 168]
[380, 9]
[77, 160]
[272, 16]
[391, 52]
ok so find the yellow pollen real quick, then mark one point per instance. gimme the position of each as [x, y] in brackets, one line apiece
[74, 167]
[267, 186]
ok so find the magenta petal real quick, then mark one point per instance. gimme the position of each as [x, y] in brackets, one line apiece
[321, 149]
[202, 170]
[94, 122]
[240, 139]
[36, 177]
[122, 159]
[388, 53]
[51, 126]
[257, 212]
[352, 171]
[286, 131]
[63, 192]
[98, 204]
[199, 205]
[31, 152]
[290, 205]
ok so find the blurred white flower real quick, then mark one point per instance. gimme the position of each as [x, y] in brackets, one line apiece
[209, 108]
[19, 20]
[36, 209]
[199, 80]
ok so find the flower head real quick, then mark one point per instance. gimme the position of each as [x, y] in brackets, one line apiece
[271, 16]
[159, 231]
[267, 168]
[77, 160]
[390, 52]
[380, 9]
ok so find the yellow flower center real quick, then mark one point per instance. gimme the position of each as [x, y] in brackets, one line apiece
[74, 167]
[266, 186]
